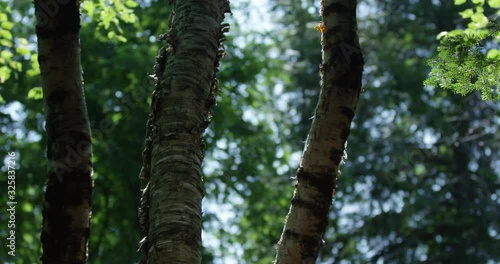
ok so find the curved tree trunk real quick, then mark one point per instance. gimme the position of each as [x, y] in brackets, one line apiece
[341, 73]
[186, 88]
[67, 204]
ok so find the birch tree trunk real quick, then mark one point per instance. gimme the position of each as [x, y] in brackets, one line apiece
[67, 203]
[185, 92]
[341, 73]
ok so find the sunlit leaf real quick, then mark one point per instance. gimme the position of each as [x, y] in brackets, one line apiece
[7, 25]
[442, 34]
[22, 50]
[5, 34]
[4, 73]
[494, 3]
[27, 207]
[5, 54]
[35, 93]
[131, 4]
[493, 54]
[5, 43]
[467, 13]
[121, 38]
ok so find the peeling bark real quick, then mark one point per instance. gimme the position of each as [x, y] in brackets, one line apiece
[341, 73]
[185, 92]
[67, 203]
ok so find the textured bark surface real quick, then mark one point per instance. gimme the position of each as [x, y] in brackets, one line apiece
[341, 73]
[67, 203]
[186, 88]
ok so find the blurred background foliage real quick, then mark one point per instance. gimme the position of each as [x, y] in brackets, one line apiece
[421, 183]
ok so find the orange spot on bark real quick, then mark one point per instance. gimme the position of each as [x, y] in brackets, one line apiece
[320, 27]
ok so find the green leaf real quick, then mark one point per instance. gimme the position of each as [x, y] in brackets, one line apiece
[23, 50]
[33, 72]
[35, 93]
[121, 38]
[4, 73]
[479, 18]
[23, 41]
[116, 117]
[5, 34]
[89, 7]
[7, 25]
[27, 207]
[131, 4]
[494, 3]
[455, 32]
[6, 55]
[493, 54]
[16, 65]
[460, 2]
[442, 34]
[467, 13]
[28, 238]
[5, 43]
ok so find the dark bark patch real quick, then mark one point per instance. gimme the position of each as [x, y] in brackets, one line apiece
[344, 133]
[348, 112]
[69, 189]
[311, 244]
[82, 139]
[291, 234]
[57, 18]
[73, 151]
[57, 96]
[334, 30]
[302, 203]
[322, 182]
[318, 207]
[60, 237]
[336, 155]
[336, 8]
[343, 81]
[357, 61]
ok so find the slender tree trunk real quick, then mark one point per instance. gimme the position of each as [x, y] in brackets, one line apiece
[186, 88]
[67, 204]
[341, 73]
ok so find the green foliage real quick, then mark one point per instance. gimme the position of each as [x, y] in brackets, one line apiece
[10, 46]
[464, 66]
[469, 60]
[108, 15]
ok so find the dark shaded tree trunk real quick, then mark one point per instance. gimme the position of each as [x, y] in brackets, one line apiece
[185, 92]
[67, 203]
[341, 73]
